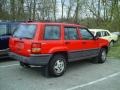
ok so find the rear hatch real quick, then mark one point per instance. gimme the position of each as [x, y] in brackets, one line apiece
[22, 39]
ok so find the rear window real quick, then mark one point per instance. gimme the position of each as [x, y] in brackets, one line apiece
[25, 31]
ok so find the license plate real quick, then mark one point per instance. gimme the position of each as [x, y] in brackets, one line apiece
[19, 45]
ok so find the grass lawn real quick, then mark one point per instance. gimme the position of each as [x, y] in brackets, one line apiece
[115, 51]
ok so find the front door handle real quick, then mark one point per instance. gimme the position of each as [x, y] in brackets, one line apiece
[83, 42]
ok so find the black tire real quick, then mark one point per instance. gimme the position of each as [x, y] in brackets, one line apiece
[101, 58]
[111, 44]
[24, 65]
[57, 65]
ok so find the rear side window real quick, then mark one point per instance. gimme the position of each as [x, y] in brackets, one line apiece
[105, 33]
[70, 33]
[3, 30]
[52, 33]
[25, 31]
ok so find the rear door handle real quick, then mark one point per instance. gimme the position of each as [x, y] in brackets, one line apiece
[67, 42]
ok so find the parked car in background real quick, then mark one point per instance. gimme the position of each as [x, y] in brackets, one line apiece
[6, 30]
[105, 34]
[52, 45]
[117, 33]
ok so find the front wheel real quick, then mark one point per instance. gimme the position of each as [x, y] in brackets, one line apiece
[101, 58]
[57, 65]
[111, 44]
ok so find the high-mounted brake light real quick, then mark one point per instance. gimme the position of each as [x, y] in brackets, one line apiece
[36, 48]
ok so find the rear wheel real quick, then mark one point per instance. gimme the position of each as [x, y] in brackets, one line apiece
[57, 65]
[24, 65]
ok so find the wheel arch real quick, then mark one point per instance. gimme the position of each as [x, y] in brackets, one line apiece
[105, 47]
[64, 53]
[112, 41]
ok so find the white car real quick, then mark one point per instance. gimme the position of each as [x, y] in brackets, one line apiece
[117, 33]
[105, 34]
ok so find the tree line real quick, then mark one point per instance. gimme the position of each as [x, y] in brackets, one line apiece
[92, 13]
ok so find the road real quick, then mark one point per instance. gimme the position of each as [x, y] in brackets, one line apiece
[81, 75]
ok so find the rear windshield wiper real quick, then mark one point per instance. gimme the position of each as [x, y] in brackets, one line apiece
[22, 37]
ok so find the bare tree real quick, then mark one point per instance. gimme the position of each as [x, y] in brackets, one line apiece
[29, 8]
[69, 8]
[78, 9]
[20, 11]
[34, 9]
[54, 3]
[12, 9]
[62, 4]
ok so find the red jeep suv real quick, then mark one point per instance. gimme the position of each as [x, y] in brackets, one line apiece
[54, 44]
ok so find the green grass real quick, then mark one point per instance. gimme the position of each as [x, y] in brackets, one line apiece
[114, 51]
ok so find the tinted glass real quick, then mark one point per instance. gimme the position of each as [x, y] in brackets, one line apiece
[71, 33]
[86, 35]
[25, 31]
[3, 30]
[13, 28]
[105, 33]
[98, 34]
[52, 33]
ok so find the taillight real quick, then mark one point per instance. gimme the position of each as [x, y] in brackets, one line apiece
[36, 48]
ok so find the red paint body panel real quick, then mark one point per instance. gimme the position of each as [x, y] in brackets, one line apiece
[23, 46]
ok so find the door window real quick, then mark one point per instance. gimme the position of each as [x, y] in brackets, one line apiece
[98, 34]
[86, 35]
[70, 33]
[52, 33]
[105, 33]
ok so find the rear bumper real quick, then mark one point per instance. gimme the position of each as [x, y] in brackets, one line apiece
[41, 59]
